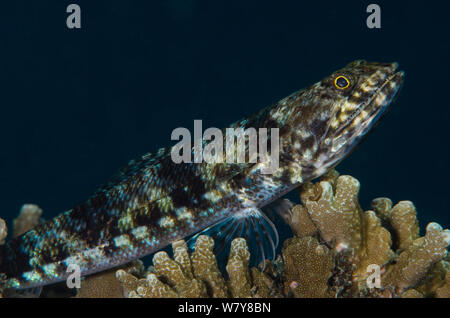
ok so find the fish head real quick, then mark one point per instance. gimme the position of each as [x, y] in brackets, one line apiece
[340, 110]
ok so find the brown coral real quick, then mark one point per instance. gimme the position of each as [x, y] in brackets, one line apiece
[3, 231]
[402, 218]
[308, 266]
[334, 252]
[197, 274]
[360, 243]
[237, 268]
[29, 217]
[413, 263]
[444, 290]
[338, 250]
[169, 278]
[105, 284]
[205, 266]
[335, 211]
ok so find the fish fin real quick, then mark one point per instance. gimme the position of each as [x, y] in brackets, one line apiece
[160, 163]
[159, 169]
[250, 223]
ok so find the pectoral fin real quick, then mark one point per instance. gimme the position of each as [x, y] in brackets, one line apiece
[251, 224]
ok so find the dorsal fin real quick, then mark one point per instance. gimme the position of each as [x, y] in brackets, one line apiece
[158, 170]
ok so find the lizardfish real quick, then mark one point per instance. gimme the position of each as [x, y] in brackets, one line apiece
[154, 201]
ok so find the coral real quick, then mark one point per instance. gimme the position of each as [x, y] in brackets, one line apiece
[412, 293]
[299, 221]
[3, 231]
[237, 268]
[174, 274]
[335, 211]
[105, 284]
[402, 218]
[29, 217]
[418, 258]
[308, 266]
[437, 282]
[197, 274]
[205, 266]
[338, 250]
[386, 238]
[376, 245]
[268, 283]
[444, 290]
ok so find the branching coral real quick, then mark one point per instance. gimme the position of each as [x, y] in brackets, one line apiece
[105, 284]
[444, 290]
[29, 217]
[338, 250]
[197, 274]
[308, 267]
[335, 211]
[3, 231]
[417, 259]
[360, 243]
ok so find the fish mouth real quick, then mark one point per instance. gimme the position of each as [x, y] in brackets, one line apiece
[388, 90]
[381, 100]
[369, 112]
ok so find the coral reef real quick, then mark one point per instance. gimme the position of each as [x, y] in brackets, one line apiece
[361, 243]
[29, 217]
[105, 284]
[337, 250]
[3, 231]
[197, 274]
[308, 267]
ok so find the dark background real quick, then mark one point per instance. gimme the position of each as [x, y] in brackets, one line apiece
[76, 105]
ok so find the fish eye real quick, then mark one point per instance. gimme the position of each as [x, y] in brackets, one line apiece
[341, 82]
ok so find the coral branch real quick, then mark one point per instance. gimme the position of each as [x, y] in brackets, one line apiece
[338, 250]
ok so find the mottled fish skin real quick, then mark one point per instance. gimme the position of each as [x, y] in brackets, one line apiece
[153, 201]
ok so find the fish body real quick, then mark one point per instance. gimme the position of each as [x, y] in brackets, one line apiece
[154, 201]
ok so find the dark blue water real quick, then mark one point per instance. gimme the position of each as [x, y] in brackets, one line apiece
[76, 105]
